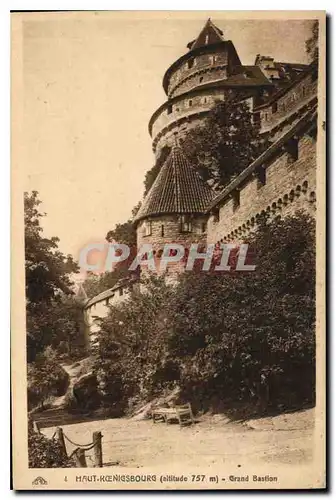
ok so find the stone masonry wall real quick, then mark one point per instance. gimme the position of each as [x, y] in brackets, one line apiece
[185, 106]
[177, 129]
[289, 187]
[201, 62]
[172, 234]
[290, 102]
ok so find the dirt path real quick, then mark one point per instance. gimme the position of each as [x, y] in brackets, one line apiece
[212, 441]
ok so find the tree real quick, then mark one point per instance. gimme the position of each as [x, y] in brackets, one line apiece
[252, 336]
[46, 378]
[48, 271]
[312, 42]
[123, 233]
[131, 355]
[225, 144]
[246, 337]
[94, 284]
[48, 278]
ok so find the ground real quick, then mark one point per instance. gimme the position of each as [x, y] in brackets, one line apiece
[214, 440]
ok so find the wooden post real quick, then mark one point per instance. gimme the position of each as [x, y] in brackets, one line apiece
[60, 438]
[80, 457]
[98, 450]
[36, 427]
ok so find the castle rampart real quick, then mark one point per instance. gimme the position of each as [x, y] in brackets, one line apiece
[280, 182]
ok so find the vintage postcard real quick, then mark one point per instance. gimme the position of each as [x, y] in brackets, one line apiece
[168, 242]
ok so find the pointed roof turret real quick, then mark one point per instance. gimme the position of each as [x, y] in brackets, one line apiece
[178, 189]
[209, 35]
[81, 294]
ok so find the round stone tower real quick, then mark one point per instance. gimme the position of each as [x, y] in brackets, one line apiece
[174, 209]
[197, 80]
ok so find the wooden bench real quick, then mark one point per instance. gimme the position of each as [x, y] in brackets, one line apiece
[182, 413]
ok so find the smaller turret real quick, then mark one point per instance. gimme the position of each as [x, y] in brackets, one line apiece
[174, 210]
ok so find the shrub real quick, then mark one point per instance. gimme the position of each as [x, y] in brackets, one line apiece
[252, 336]
[45, 453]
[243, 337]
[46, 378]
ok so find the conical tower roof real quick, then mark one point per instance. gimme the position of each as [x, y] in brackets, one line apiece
[210, 34]
[81, 294]
[178, 189]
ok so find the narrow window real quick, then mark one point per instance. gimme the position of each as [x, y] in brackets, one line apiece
[162, 230]
[261, 177]
[185, 224]
[212, 59]
[206, 39]
[121, 292]
[201, 79]
[205, 100]
[190, 103]
[216, 215]
[256, 118]
[204, 227]
[190, 63]
[292, 148]
[148, 228]
[236, 199]
[169, 109]
[274, 107]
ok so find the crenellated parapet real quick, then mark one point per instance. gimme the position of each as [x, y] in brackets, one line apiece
[287, 105]
[280, 182]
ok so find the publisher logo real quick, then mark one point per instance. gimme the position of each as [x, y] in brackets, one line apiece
[39, 481]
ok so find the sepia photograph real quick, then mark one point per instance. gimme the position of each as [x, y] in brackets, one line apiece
[168, 236]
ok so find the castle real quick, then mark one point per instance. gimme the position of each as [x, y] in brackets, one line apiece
[180, 207]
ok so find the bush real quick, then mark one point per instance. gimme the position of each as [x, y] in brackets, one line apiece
[251, 337]
[45, 453]
[243, 337]
[46, 378]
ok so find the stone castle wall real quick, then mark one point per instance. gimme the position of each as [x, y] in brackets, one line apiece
[290, 186]
[172, 234]
[182, 111]
[275, 115]
[211, 66]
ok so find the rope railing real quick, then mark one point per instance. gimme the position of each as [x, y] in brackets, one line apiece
[79, 452]
[76, 444]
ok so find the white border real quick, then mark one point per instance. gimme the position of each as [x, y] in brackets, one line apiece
[5, 7]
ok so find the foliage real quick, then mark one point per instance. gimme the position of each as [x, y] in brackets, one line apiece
[131, 353]
[222, 146]
[125, 232]
[48, 282]
[46, 378]
[94, 284]
[47, 269]
[45, 453]
[225, 143]
[240, 336]
[258, 335]
[312, 42]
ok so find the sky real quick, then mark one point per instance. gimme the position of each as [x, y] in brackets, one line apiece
[91, 82]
